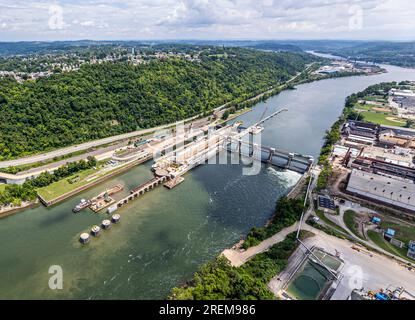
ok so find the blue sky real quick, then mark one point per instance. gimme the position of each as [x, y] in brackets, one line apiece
[206, 19]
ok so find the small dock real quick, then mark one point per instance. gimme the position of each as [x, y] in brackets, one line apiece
[139, 191]
[104, 199]
[174, 182]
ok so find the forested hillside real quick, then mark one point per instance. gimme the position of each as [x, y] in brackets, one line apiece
[112, 98]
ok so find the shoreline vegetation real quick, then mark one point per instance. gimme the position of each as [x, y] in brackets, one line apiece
[27, 192]
[234, 110]
[333, 134]
[287, 212]
[112, 98]
[49, 196]
[13, 196]
[218, 280]
[331, 138]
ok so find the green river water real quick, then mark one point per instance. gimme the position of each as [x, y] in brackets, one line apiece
[166, 235]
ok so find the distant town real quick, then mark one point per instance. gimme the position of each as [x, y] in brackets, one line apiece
[34, 66]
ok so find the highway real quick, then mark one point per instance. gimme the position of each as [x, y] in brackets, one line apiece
[198, 127]
[84, 146]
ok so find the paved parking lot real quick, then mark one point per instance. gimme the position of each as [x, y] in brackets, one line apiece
[361, 269]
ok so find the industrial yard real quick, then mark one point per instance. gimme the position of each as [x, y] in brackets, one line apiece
[372, 182]
[356, 268]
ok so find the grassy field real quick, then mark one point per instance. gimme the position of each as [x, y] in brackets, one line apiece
[381, 118]
[63, 186]
[377, 113]
[348, 219]
[378, 239]
[365, 107]
[403, 233]
[330, 223]
[2, 187]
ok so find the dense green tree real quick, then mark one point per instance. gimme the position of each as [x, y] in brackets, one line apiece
[14, 193]
[218, 280]
[113, 98]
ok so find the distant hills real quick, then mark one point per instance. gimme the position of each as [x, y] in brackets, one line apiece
[396, 53]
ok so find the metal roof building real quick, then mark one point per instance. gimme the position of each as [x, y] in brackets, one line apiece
[393, 191]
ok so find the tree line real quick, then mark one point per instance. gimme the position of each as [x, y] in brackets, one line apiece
[15, 194]
[218, 280]
[114, 98]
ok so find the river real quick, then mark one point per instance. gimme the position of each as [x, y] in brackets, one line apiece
[165, 236]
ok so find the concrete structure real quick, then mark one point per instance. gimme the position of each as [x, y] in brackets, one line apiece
[382, 167]
[139, 191]
[394, 156]
[361, 140]
[389, 139]
[393, 191]
[399, 131]
[279, 158]
[360, 128]
[84, 238]
[401, 93]
[389, 233]
[170, 167]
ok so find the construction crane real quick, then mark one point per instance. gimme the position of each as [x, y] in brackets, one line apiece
[263, 114]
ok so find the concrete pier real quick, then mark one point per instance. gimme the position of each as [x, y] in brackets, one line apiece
[276, 157]
[141, 189]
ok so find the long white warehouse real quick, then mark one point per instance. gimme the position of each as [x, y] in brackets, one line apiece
[393, 191]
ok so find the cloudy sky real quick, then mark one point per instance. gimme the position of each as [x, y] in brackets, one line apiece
[206, 19]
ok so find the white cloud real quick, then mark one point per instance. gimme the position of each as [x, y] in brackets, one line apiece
[88, 23]
[270, 19]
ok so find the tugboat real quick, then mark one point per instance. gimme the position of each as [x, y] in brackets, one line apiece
[82, 205]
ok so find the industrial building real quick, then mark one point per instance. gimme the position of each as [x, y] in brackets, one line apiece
[381, 167]
[361, 132]
[404, 99]
[393, 191]
[398, 156]
[399, 131]
[361, 128]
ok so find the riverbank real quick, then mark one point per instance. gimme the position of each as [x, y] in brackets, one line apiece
[245, 255]
[6, 211]
[167, 234]
[50, 202]
[51, 196]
